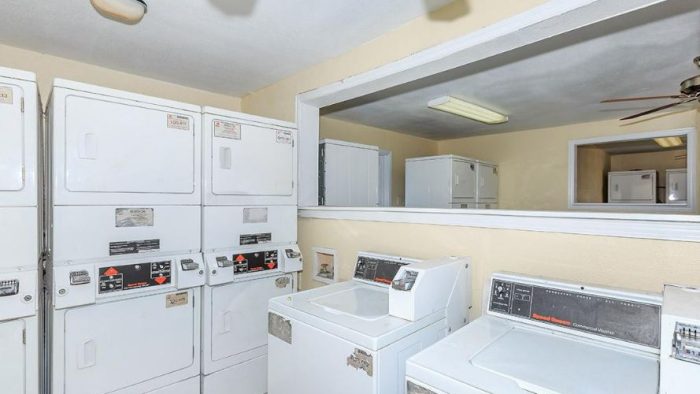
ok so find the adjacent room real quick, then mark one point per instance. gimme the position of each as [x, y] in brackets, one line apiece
[350, 197]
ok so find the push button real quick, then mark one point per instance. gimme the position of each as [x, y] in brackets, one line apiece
[189, 265]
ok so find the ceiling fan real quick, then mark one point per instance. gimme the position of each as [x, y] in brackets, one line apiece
[690, 91]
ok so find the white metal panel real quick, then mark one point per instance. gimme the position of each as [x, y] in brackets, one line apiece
[239, 315]
[249, 377]
[632, 187]
[105, 350]
[18, 140]
[25, 302]
[351, 174]
[463, 180]
[12, 349]
[113, 147]
[324, 354]
[223, 226]
[189, 386]
[487, 187]
[19, 235]
[86, 232]
[677, 186]
[428, 183]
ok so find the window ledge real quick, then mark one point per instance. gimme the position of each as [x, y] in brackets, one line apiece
[628, 225]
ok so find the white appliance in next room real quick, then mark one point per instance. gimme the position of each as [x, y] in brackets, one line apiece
[547, 337]
[20, 232]
[677, 186]
[249, 243]
[449, 181]
[344, 338]
[123, 284]
[632, 187]
[680, 340]
[348, 174]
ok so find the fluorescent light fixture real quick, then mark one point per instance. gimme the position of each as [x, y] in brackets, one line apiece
[125, 11]
[468, 110]
[668, 142]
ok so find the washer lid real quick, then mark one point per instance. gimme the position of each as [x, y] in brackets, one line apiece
[352, 310]
[499, 356]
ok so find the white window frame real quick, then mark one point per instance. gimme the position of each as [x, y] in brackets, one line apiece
[690, 134]
[552, 18]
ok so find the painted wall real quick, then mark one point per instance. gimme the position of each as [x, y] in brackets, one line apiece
[592, 167]
[48, 67]
[620, 262]
[533, 164]
[402, 147]
[457, 19]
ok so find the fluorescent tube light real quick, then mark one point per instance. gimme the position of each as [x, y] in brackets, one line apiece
[468, 110]
[668, 142]
[125, 11]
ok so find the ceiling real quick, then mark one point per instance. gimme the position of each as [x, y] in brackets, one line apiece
[554, 82]
[225, 46]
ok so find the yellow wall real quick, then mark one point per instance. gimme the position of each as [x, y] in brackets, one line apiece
[620, 262]
[533, 164]
[457, 19]
[48, 67]
[402, 147]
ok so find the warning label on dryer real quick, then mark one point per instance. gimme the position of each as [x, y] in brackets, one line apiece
[284, 137]
[6, 95]
[226, 129]
[254, 239]
[133, 217]
[133, 247]
[179, 122]
[176, 299]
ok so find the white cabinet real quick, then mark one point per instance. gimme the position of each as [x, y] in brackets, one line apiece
[677, 186]
[450, 181]
[632, 187]
[348, 174]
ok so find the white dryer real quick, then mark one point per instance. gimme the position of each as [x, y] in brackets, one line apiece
[249, 242]
[547, 337]
[346, 337]
[20, 232]
[125, 274]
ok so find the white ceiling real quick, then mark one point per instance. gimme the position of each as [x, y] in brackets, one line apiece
[226, 46]
[555, 82]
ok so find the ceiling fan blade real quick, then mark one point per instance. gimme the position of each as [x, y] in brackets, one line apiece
[659, 109]
[617, 100]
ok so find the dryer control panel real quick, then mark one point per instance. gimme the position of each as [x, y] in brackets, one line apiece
[574, 307]
[244, 263]
[134, 276]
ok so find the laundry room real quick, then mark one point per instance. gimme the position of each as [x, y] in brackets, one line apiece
[382, 197]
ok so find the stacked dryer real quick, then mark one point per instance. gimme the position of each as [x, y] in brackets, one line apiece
[20, 232]
[125, 273]
[249, 243]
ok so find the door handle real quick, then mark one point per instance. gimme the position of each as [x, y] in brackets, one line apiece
[226, 322]
[225, 158]
[87, 356]
[87, 147]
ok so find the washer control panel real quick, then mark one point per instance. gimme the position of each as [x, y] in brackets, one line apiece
[686, 343]
[134, 276]
[579, 310]
[377, 269]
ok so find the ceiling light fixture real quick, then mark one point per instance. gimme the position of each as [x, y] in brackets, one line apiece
[468, 110]
[125, 11]
[668, 142]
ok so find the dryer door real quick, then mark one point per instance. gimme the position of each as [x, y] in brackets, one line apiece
[251, 160]
[13, 364]
[120, 148]
[119, 344]
[11, 138]
[239, 314]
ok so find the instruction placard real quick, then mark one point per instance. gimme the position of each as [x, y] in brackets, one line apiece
[179, 122]
[176, 299]
[226, 129]
[133, 217]
[284, 137]
[6, 95]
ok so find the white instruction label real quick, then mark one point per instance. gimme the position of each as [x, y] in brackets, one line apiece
[176, 299]
[254, 215]
[226, 129]
[6, 95]
[179, 122]
[134, 217]
[284, 137]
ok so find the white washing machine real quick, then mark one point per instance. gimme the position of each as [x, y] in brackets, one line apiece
[249, 242]
[355, 336]
[125, 274]
[20, 232]
[547, 337]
